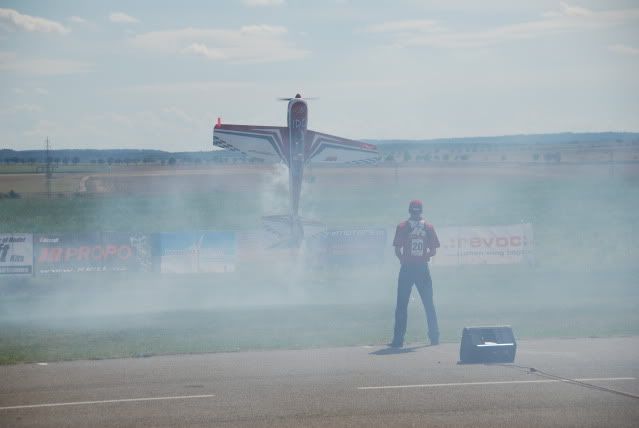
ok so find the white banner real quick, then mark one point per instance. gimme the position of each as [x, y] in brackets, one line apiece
[476, 245]
[16, 254]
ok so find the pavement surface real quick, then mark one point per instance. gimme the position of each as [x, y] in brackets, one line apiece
[357, 386]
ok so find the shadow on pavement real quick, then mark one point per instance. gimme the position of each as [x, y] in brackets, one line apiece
[391, 351]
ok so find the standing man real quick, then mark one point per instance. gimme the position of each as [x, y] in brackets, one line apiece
[415, 243]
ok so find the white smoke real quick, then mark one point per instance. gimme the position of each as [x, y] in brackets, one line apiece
[274, 191]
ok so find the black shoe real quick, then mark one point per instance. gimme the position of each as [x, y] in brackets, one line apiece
[396, 345]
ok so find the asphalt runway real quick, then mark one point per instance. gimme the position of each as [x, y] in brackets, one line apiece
[356, 386]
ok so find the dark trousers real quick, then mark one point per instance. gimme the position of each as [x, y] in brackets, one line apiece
[419, 275]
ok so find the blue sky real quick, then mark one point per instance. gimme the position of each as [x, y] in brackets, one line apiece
[156, 74]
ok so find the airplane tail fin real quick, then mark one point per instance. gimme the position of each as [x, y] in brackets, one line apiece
[289, 231]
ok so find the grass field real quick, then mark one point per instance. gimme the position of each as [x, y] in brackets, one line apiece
[204, 315]
[583, 284]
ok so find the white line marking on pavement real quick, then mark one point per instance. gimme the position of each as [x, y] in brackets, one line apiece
[121, 400]
[503, 382]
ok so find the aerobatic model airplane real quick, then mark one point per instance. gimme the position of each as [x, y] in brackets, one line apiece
[296, 146]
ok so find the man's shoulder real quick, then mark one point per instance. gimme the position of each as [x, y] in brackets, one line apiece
[428, 225]
[402, 224]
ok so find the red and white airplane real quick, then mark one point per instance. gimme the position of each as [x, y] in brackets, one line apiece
[296, 146]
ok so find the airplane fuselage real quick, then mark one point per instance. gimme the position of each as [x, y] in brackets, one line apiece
[297, 121]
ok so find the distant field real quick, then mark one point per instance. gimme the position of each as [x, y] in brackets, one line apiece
[584, 282]
[26, 185]
[38, 168]
[88, 179]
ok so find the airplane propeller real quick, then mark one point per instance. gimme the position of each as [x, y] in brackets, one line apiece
[297, 96]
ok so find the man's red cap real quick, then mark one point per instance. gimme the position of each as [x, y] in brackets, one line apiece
[415, 203]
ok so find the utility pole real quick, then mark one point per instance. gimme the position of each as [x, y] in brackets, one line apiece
[48, 170]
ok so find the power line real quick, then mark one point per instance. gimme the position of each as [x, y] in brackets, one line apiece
[532, 370]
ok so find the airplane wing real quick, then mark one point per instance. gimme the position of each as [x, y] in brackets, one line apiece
[268, 143]
[329, 148]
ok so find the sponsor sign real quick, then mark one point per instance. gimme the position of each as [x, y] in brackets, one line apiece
[195, 252]
[484, 245]
[92, 252]
[16, 254]
[350, 246]
[255, 245]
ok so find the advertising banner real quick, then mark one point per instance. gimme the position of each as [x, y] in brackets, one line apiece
[92, 252]
[196, 252]
[484, 245]
[263, 246]
[255, 246]
[16, 254]
[349, 246]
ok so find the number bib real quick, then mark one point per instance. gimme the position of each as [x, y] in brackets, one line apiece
[417, 247]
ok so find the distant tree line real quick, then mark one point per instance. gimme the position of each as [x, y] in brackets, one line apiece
[119, 157]
[544, 146]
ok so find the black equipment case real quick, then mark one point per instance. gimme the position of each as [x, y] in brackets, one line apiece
[487, 345]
